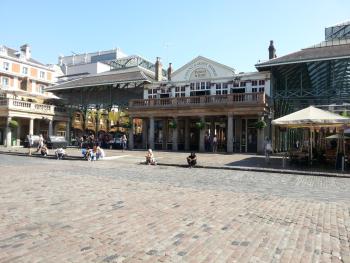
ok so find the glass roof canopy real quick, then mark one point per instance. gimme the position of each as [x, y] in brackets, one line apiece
[313, 83]
[134, 61]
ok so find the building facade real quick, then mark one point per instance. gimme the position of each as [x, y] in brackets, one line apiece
[200, 100]
[25, 105]
[318, 75]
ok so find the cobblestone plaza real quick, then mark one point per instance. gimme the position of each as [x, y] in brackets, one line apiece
[121, 211]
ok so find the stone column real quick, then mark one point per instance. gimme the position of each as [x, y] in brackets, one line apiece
[201, 136]
[175, 135]
[131, 134]
[68, 132]
[261, 138]
[50, 127]
[165, 135]
[18, 132]
[144, 133]
[229, 138]
[238, 133]
[187, 134]
[8, 132]
[31, 126]
[151, 133]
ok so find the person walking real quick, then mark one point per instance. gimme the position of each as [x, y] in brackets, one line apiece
[215, 144]
[124, 142]
[268, 150]
[41, 143]
[30, 143]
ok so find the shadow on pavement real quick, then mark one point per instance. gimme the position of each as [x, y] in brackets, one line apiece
[36, 155]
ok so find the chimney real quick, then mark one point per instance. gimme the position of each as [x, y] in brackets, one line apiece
[25, 49]
[158, 71]
[272, 50]
[170, 71]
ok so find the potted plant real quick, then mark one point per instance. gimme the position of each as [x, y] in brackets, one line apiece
[13, 124]
[261, 124]
[172, 124]
[200, 125]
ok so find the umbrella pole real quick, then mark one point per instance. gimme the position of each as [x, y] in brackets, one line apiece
[310, 146]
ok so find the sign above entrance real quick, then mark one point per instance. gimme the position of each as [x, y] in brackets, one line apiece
[202, 68]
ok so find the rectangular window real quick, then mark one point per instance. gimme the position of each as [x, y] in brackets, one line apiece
[198, 85]
[242, 90]
[224, 91]
[218, 86]
[236, 84]
[192, 86]
[183, 88]
[6, 66]
[25, 70]
[261, 89]
[243, 84]
[202, 85]
[261, 82]
[218, 92]
[42, 74]
[5, 81]
[41, 89]
[254, 90]
[255, 83]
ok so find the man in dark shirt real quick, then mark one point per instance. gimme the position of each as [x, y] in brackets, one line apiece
[192, 160]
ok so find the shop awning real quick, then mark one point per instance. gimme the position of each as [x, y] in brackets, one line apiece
[311, 117]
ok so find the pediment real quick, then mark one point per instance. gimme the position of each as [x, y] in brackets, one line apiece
[202, 68]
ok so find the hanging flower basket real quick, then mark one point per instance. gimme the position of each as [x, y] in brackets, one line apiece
[260, 124]
[172, 125]
[13, 124]
[200, 125]
[126, 125]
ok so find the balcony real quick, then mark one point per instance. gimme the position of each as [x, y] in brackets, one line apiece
[31, 107]
[237, 102]
[180, 102]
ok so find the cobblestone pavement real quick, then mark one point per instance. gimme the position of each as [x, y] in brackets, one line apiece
[121, 211]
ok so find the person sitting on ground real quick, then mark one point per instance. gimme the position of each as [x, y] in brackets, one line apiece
[60, 153]
[100, 153]
[192, 160]
[91, 154]
[150, 158]
[44, 151]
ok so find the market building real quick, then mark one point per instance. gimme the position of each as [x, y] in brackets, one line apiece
[200, 100]
[25, 105]
[318, 75]
[97, 102]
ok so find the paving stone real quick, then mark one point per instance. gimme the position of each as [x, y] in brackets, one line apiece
[120, 211]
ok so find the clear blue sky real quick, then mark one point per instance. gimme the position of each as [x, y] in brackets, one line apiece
[235, 33]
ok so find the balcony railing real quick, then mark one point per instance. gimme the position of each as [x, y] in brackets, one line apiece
[227, 99]
[31, 107]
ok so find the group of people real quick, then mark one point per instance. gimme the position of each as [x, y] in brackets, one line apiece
[151, 160]
[210, 143]
[43, 149]
[93, 154]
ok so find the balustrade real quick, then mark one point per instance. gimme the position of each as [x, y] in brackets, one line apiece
[226, 99]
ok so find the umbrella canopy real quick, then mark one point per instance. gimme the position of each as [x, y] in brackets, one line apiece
[311, 117]
[338, 136]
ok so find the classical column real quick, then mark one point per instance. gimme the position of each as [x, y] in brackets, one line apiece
[131, 134]
[50, 127]
[261, 139]
[31, 126]
[187, 134]
[8, 132]
[68, 131]
[229, 138]
[144, 133]
[151, 133]
[165, 135]
[201, 136]
[18, 133]
[238, 134]
[175, 135]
